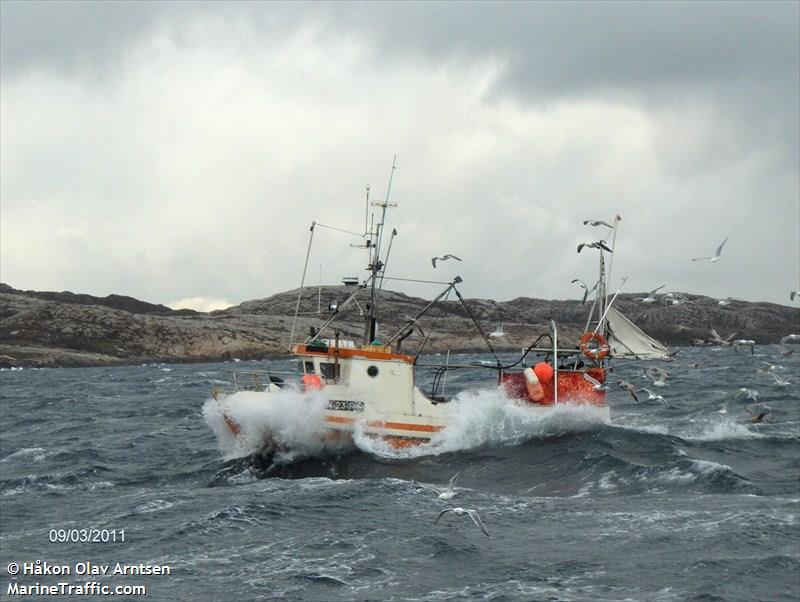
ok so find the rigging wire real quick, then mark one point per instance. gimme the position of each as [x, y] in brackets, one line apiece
[477, 326]
[302, 282]
[339, 230]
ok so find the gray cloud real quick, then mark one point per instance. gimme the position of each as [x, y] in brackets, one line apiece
[175, 150]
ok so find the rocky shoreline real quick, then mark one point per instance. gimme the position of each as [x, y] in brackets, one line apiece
[52, 329]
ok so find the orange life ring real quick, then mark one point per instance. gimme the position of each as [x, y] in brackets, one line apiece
[594, 345]
[311, 382]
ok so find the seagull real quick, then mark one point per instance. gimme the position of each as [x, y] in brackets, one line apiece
[586, 289]
[767, 369]
[790, 338]
[600, 244]
[596, 222]
[444, 258]
[653, 396]
[749, 342]
[623, 384]
[650, 298]
[718, 340]
[498, 331]
[596, 384]
[783, 348]
[413, 322]
[756, 418]
[779, 380]
[445, 494]
[657, 375]
[473, 514]
[717, 256]
[748, 393]
[675, 299]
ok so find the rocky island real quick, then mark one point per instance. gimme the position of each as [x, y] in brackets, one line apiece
[64, 329]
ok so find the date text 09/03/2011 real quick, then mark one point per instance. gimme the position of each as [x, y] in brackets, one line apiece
[86, 535]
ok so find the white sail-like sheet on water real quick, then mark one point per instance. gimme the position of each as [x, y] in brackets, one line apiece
[627, 340]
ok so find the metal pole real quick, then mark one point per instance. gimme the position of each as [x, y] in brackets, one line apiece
[302, 282]
[614, 298]
[341, 307]
[554, 332]
[444, 384]
[421, 312]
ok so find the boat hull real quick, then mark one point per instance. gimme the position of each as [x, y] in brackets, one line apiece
[398, 431]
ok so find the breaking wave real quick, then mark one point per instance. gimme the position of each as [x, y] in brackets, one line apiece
[488, 418]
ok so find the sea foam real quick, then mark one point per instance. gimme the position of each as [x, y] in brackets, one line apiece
[489, 418]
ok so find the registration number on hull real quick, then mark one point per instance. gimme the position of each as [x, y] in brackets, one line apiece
[346, 406]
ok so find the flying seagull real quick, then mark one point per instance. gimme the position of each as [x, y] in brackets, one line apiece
[756, 418]
[596, 384]
[654, 397]
[779, 380]
[657, 375]
[586, 290]
[624, 384]
[750, 342]
[473, 514]
[600, 244]
[412, 321]
[498, 331]
[651, 296]
[747, 393]
[766, 368]
[790, 338]
[444, 494]
[596, 222]
[444, 258]
[717, 256]
[783, 347]
[718, 340]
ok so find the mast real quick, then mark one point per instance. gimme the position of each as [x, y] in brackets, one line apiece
[602, 293]
[375, 265]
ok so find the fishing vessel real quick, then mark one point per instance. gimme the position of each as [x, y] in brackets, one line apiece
[371, 386]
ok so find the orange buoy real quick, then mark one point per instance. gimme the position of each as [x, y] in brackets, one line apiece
[311, 382]
[594, 345]
[535, 389]
[544, 372]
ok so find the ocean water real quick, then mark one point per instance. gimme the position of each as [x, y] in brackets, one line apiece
[690, 502]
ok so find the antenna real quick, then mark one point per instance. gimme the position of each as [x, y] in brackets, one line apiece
[366, 214]
[386, 203]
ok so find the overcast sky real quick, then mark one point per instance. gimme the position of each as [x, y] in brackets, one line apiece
[173, 151]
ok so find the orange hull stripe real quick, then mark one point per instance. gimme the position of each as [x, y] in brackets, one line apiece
[405, 426]
[349, 352]
[402, 426]
[403, 442]
[339, 419]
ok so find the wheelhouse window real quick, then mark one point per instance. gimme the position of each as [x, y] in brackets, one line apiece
[328, 370]
[308, 367]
